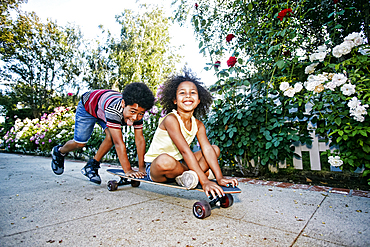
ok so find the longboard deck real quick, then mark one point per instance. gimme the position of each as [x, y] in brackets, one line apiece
[119, 172]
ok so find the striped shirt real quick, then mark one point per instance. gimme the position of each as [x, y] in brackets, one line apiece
[106, 106]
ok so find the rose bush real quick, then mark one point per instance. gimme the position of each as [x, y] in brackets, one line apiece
[298, 63]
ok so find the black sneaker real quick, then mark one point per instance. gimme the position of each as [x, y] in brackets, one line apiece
[57, 162]
[91, 171]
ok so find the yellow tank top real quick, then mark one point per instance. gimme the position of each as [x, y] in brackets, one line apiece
[162, 142]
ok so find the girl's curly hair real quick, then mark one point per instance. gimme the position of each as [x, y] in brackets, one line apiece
[169, 88]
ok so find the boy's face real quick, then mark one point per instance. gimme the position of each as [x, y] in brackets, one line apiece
[132, 113]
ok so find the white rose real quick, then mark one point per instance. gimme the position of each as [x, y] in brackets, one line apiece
[321, 48]
[289, 92]
[298, 87]
[354, 102]
[330, 85]
[346, 47]
[339, 79]
[310, 68]
[284, 86]
[348, 89]
[337, 51]
[335, 161]
[320, 56]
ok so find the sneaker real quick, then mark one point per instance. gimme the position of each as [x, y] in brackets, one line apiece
[57, 162]
[211, 176]
[91, 171]
[188, 179]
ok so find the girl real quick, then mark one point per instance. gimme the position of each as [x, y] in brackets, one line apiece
[169, 156]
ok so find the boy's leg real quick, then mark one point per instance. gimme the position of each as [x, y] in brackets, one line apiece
[91, 169]
[84, 126]
[105, 146]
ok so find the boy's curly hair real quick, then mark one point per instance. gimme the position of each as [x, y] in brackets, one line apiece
[138, 93]
[168, 93]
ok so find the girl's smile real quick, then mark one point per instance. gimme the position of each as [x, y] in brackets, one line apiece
[187, 97]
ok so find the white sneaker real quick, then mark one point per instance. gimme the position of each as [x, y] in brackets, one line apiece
[188, 179]
[211, 176]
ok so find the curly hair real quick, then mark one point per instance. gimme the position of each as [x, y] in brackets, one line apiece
[138, 93]
[169, 89]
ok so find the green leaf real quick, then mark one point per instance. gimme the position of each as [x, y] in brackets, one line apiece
[268, 145]
[200, 44]
[228, 143]
[280, 64]
[338, 121]
[250, 6]
[366, 148]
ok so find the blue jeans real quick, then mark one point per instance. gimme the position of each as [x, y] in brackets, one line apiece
[84, 124]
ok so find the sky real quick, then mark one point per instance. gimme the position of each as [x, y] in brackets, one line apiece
[89, 14]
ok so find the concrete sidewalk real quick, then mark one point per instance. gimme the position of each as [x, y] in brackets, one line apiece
[39, 208]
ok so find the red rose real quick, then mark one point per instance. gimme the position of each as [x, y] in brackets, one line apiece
[284, 13]
[336, 1]
[231, 62]
[229, 37]
[70, 94]
[217, 64]
[196, 6]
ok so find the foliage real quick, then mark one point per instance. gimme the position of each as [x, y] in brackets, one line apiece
[271, 42]
[40, 135]
[142, 52]
[39, 60]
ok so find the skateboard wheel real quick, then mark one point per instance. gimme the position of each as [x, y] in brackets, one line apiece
[201, 209]
[135, 183]
[226, 201]
[112, 185]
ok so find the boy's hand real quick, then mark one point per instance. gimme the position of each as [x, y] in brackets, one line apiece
[211, 188]
[228, 182]
[134, 174]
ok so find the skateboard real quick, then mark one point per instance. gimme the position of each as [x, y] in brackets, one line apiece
[201, 209]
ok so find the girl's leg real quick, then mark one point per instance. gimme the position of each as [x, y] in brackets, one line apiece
[202, 161]
[165, 167]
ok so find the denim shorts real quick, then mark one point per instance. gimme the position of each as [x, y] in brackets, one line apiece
[147, 170]
[84, 124]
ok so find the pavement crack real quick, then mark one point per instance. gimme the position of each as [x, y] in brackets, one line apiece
[308, 221]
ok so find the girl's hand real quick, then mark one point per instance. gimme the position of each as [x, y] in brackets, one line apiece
[228, 182]
[211, 188]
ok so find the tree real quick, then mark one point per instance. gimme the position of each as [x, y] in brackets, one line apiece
[38, 60]
[142, 53]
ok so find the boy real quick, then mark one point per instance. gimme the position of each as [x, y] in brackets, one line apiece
[111, 110]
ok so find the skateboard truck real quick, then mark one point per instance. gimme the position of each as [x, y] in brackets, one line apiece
[113, 184]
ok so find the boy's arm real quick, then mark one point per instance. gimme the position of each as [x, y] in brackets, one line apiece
[140, 147]
[122, 153]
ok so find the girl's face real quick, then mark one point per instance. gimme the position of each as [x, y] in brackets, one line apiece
[187, 98]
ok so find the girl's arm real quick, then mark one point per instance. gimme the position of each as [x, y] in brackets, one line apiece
[171, 124]
[210, 156]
